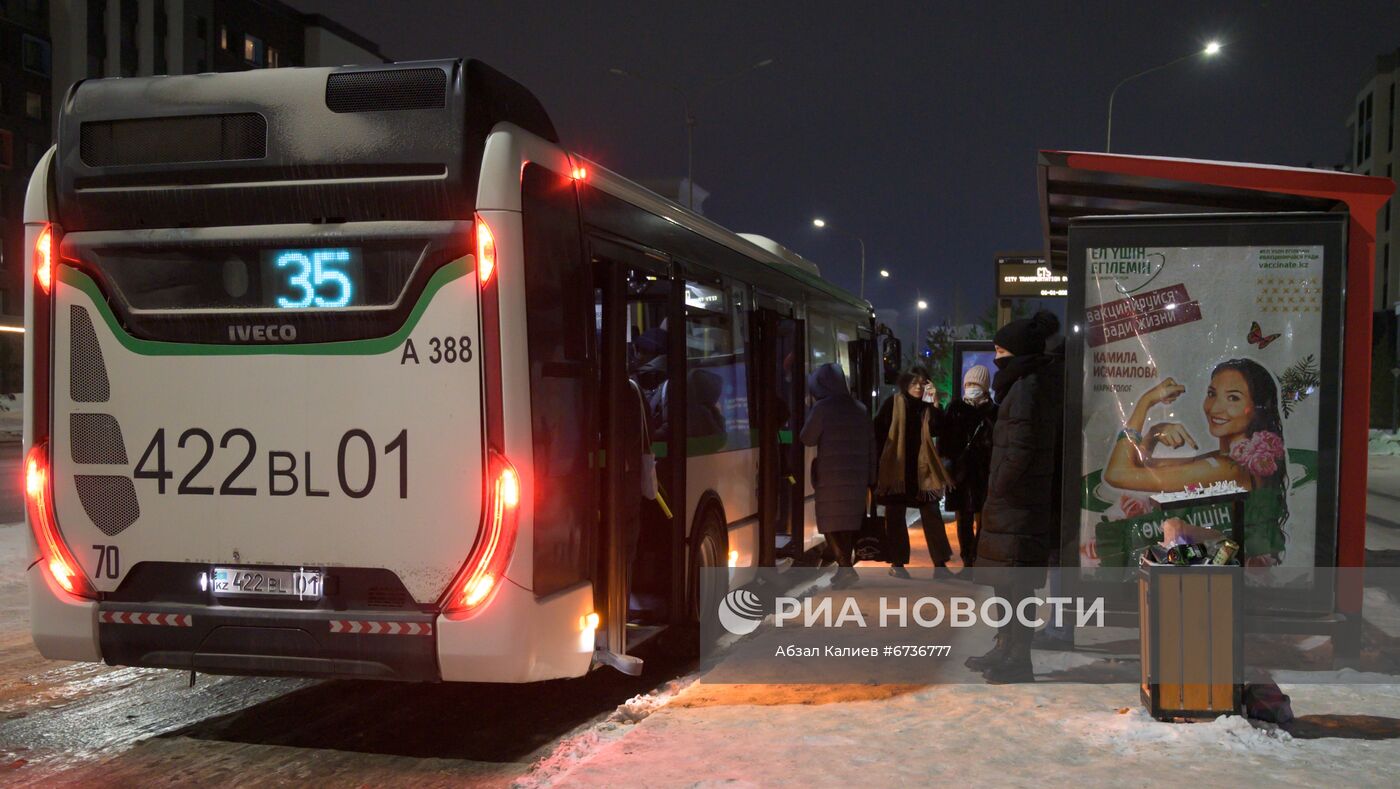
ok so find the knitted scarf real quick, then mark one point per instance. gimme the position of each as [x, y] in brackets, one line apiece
[933, 478]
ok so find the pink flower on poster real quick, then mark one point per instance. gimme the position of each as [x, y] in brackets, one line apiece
[1260, 454]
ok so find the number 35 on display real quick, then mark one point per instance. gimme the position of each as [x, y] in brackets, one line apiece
[310, 273]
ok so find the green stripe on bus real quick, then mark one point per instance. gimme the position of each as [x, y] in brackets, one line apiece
[368, 347]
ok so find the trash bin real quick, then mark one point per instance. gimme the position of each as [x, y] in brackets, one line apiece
[1192, 640]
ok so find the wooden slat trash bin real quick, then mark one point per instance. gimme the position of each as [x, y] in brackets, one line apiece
[1191, 621]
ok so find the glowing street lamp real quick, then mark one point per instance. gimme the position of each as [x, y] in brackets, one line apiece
[1211, 49]
[885, 273]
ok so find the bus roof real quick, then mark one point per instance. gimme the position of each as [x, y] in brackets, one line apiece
[807, 275]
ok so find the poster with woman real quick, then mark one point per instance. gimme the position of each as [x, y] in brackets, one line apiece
[1203, 364]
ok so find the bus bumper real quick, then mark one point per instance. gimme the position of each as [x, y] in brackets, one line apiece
[269, 641]
[519, 638]
[63, 627]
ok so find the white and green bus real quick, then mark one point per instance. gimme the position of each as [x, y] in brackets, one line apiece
[326, 368]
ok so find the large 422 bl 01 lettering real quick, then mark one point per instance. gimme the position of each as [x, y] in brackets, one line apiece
[287, 474]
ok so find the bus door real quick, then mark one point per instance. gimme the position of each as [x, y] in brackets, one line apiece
[633, 298]
[863, 355]
[780, 362]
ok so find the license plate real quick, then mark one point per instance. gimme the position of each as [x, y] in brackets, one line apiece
[301, 584]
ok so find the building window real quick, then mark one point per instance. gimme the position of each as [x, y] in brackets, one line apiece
[96, 37]
[1385, 286]
[130, 38]
[252, 49]
[223, 37]
[1370, 105]
[34, 105]
[1363, 129]
[273, 57]
[35, 55]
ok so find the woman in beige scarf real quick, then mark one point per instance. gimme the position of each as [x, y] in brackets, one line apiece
[911, 474]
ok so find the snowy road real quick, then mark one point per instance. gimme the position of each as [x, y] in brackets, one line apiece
[85, 724]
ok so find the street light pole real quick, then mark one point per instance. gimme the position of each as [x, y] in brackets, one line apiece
[1210, 50]
[688, 101]
[820, 223]
[919, 307]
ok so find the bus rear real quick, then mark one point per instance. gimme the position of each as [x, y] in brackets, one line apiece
[263, 338]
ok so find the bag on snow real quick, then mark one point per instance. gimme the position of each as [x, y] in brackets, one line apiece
[1265, 701]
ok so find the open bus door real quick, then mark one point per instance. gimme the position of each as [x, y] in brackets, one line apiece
[779, 365]
[634, 297]
[863, 355]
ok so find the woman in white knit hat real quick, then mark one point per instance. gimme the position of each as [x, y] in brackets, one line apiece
[965, 440]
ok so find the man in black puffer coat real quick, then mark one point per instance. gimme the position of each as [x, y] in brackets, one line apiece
[1018, 518]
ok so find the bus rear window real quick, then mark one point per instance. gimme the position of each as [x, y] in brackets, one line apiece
[278, 276]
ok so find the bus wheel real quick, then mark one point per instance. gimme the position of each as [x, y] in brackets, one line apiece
[710, 552]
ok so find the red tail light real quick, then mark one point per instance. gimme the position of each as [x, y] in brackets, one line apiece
[479, 578]
[485, 251]
[43, 259]
[53, 552]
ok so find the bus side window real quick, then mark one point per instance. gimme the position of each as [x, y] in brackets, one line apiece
[558, 315]
[716, 385]
[821, 343]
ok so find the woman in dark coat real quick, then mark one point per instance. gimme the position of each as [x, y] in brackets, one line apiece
[1017, 518]
[965, 441]
[839, 428]
[910, 472]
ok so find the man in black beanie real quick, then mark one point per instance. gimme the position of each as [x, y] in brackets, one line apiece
[1017, 519]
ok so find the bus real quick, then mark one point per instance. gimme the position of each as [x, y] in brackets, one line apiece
[354, 372]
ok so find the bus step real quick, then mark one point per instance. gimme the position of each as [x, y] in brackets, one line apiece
[627, 664]
[640, 634]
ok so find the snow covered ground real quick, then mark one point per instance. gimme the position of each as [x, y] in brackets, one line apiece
[1015, 735]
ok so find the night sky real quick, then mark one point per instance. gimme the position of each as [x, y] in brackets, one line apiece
[914, 125]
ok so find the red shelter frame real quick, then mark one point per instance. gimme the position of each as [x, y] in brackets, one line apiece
[1074, 184]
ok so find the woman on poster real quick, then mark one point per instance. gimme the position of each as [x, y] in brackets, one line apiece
[1241, 409]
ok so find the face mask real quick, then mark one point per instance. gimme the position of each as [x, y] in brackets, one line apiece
[973, 393]
[1002, 361]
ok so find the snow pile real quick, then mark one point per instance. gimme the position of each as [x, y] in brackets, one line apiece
[571, 752]
[642, 705]
[1385, 442]
[1134, 731]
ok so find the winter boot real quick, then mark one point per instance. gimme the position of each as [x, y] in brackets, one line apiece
[992, 656]
[1015, 665]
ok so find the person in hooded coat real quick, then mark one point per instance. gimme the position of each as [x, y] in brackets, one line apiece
[965, 440]
[1017, 519]
[839, 427]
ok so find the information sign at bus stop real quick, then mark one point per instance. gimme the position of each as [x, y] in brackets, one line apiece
[1029, 277]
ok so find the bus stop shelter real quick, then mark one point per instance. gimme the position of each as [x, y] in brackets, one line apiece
[1076, 184]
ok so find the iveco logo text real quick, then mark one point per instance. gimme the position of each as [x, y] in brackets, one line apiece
[272, 332]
